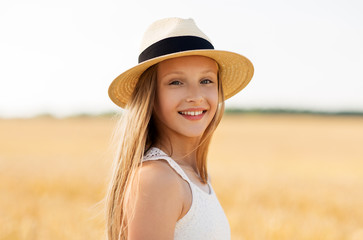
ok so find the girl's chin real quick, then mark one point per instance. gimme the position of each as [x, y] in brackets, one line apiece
[193, 134]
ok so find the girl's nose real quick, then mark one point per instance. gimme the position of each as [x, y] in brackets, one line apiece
[194, 96]
[198, 99]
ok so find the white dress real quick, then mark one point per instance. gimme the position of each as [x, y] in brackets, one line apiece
[205, 219]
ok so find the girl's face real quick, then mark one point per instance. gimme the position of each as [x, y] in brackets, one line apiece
[186, 95]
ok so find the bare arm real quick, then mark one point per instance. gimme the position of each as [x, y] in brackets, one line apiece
[158, 205]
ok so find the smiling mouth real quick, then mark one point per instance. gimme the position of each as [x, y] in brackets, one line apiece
[192, 113]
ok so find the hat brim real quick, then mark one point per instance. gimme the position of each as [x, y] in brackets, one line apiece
[235, 72]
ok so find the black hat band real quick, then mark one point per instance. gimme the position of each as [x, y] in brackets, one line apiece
[174, 45]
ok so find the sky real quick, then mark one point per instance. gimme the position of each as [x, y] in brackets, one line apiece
[59, 57]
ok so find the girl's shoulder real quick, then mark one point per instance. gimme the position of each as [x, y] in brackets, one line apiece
[160, 173]
[158, 176]
[158, 204]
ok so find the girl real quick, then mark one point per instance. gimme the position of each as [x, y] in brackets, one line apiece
[173, 100]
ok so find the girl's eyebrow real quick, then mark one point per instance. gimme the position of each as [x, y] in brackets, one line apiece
[170, 73]
[209, 71]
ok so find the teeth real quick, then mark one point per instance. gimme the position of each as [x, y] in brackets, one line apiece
[196, 113]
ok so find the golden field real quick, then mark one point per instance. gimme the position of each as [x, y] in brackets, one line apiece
[285, 177]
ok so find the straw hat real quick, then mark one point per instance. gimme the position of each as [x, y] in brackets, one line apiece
[176, 37]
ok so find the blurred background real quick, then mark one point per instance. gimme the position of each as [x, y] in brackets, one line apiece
[59, 57]
[286, 161]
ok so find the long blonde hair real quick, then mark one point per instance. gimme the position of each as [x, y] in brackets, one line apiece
[136, 133]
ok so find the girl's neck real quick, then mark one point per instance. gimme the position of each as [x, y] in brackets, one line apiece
[183, 150]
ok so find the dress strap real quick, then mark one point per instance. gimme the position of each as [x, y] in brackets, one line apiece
[156, 154]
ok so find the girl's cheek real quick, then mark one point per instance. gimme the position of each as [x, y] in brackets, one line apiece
[213, 94]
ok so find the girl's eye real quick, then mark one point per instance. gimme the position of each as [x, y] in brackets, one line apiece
[176, 82]
[206, 81]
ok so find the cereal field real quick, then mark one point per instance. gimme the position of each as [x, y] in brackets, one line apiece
[278, 177]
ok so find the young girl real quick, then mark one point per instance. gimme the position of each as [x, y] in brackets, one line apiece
[173, 101]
